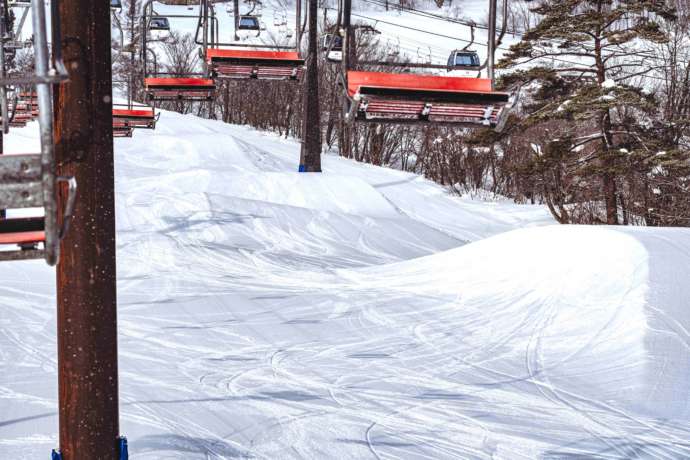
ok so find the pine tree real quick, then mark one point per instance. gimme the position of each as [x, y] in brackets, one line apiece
[581, 58]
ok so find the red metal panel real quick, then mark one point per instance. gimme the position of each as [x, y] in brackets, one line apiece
[252, 54]
[180, 82]
[133, 113]
[22, 237]
[356, 79]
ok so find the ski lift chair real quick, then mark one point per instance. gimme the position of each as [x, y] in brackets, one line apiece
[134, 117]
[120, 130]
[393, 48]
[28, 98]
[412, 98]
[464, 59]
[159, 28]
[179, 89]
[19, 120]
[279, 18]
[159, 23]
[22, 109]
[259, 64]
[24, 233]
[248, 26]
[332, 45]
[29, 180]
[466, 62]
[27, 103]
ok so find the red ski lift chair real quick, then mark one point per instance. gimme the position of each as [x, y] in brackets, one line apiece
[122, 131]
[179, 89]
[135, 117]
[26, 110]
[26, 233]
[259, 64]
[409, 98]
[20, 118]
[24, 185]
[28, 102]
[30, 99]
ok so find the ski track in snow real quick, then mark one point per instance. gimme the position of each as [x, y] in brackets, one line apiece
[361, 313]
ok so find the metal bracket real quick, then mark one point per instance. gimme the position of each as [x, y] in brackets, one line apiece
[487, 115]
[21, 180]
[68, 212]
[507, 109]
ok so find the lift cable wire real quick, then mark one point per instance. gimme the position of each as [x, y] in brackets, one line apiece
[436, 34]
[513, 32]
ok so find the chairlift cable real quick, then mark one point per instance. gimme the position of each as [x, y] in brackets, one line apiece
[503, 48]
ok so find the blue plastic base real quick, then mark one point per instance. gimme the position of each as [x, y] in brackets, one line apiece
[302, 168]
[124, 451]
[121, 448]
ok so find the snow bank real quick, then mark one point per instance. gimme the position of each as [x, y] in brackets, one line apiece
[269, 314]
[324, 192]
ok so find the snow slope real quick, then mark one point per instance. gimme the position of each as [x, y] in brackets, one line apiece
[360, 313]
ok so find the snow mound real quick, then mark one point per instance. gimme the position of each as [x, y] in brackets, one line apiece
[269, 314]
[323, 192]
[595, 315]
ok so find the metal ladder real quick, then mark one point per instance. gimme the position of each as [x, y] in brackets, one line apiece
[30, 180]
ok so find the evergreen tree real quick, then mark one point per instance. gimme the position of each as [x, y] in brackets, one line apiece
[582, 56]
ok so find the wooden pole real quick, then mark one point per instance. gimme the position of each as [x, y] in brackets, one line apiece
[3, 91]
[347, 39]
[310, 157]
[345, 138]
[298, 24]
[491, 45]
[236, 8]
[86, 283]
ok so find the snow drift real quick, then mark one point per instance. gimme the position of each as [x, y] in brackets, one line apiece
[360, 313]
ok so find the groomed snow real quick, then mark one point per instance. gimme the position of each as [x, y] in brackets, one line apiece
[360, 313]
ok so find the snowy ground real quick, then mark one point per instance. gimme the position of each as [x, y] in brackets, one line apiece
[360, 313]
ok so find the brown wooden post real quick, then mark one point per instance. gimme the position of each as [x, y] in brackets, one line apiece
[86, 285]
[310, 156]
[345, 138]
[3, 213]
[236, 7]
[298, 24]
[491, 45]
